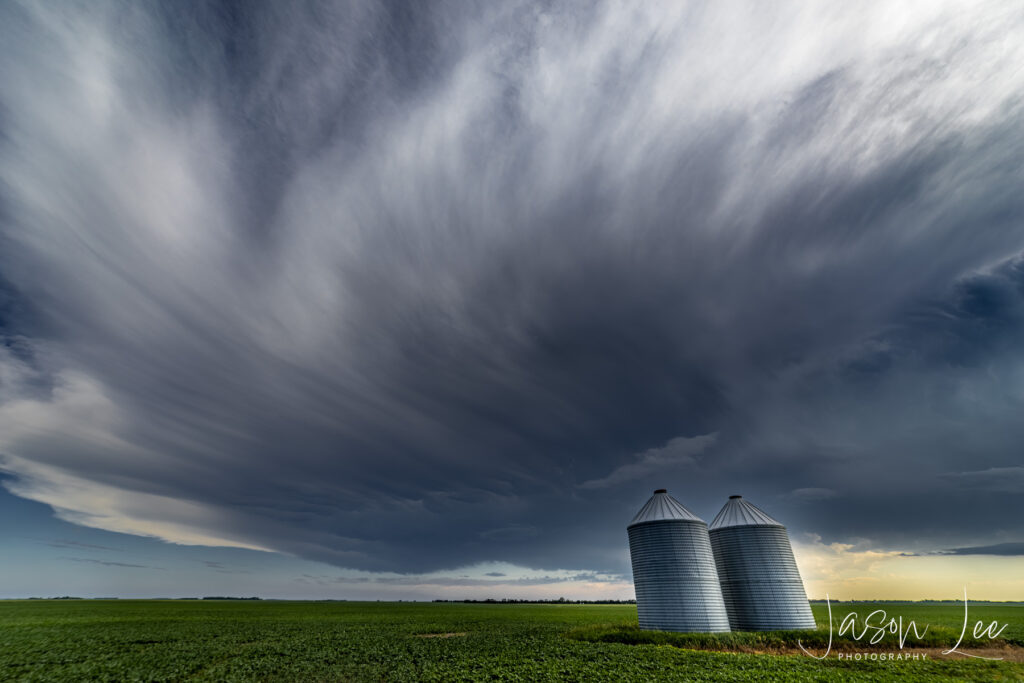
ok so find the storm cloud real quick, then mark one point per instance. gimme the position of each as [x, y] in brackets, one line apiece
[1011, 549]
[405, 288]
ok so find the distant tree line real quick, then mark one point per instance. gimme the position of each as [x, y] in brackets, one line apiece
[226, 597]
[559, 601]
[62, 597]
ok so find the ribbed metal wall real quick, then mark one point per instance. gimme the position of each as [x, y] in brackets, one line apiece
[674, 574]
[760, 581]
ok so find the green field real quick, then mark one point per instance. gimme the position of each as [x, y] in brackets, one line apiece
[151, 640]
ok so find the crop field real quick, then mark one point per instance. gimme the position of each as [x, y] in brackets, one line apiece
[173, 640]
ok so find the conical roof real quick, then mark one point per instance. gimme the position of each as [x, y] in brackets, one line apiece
[739, 512]
[662, 506]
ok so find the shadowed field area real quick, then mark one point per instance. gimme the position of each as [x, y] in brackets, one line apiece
[234, 641]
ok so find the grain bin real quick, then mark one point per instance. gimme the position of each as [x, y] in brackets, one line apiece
[760, 581]
[674, 573]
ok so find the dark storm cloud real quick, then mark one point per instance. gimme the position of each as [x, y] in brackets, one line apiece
[813, 494]
[408, 289]
[997, 549]
[913, 431]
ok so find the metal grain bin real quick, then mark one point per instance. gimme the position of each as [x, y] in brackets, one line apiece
[760, 581]
[674, 573]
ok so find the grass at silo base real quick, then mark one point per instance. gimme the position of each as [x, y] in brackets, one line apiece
[174, 640]
[939, 626]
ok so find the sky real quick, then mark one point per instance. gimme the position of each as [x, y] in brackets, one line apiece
[408, 300]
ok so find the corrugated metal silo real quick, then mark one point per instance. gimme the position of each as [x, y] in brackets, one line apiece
[760, 581]
[674, 573]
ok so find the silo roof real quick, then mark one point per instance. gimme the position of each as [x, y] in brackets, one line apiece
[739, 512]
[662, 506]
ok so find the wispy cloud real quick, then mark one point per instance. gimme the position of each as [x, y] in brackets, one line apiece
[220, 568]
[107, 563]
[1001, 479]
[510, 532]
[76, 544]
[381, 288]
[493, 579]
[656, 461]
[1002, 549]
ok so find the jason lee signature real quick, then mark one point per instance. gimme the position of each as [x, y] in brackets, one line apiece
[877, 624]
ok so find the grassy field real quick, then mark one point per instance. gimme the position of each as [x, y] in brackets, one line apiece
[153, 640]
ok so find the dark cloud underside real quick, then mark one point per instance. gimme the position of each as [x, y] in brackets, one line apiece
[405, 288]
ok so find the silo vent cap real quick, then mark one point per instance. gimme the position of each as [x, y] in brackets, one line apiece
[662, 507]
[661, 490]
[740, 512]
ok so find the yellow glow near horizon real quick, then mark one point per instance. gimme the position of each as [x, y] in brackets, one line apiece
[845, 573]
